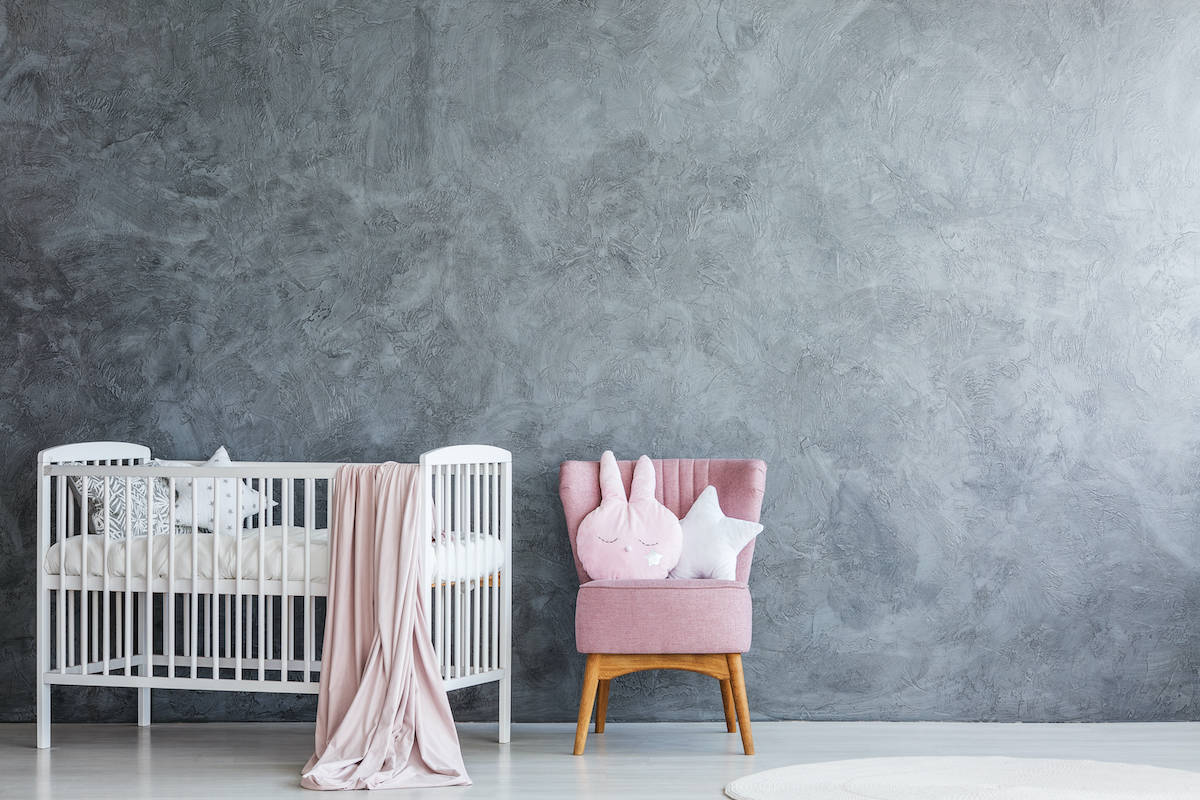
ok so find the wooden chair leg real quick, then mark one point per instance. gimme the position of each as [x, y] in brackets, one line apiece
[738, 681]
[587, 697]
[727, 701]
[602, 705]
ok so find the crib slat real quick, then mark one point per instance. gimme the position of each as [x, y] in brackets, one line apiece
[207, 623]
[463, 571]
[194, 600]
[119, 634]
[426, 541]
[147, 619]
[266, 490]
[432, 550]
[237, 579]
[484, 586]
[270, 618]
[450, 569]
[71, 627]
[127, 647]
[213, 619]
[494, 588]
[70, 595]
[485, 592]
[83, 573]
[61, 605]
[73, 596]
[452, 614]
[271, 597]
[467, 563]
[477, 565]
[94, 614]
[455, 568]
[435, 560]
[169, 598]
[434, 570]
[444, 567]
[285, 616]
[226, 600]
[310, 513]
[104, 570]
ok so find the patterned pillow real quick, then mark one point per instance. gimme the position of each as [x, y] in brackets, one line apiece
[110, 494]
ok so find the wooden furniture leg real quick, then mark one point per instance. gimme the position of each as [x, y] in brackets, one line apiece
[738, 680]
[602, 705]
[603, 667]
[727, 701]
[587, 697]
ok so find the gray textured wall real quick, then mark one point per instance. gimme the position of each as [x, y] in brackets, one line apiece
[936, 262]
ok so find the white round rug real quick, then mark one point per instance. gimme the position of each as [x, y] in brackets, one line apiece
[967, 778]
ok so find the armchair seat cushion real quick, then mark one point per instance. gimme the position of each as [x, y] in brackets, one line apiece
[663, 616]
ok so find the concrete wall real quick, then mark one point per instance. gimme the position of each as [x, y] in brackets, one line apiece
[936, 262]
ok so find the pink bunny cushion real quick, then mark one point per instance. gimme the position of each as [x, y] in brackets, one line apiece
[632, 538]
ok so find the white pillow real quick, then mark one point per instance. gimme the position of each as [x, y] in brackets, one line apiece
[206, 491]
[711, 540]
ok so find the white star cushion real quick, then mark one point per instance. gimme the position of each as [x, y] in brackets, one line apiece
[206, 489]
[711, 540]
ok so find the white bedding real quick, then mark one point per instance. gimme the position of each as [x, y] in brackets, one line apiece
[444, 559]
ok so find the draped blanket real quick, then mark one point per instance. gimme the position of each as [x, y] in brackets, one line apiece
[383, 720]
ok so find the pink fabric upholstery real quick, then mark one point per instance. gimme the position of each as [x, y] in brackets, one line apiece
[678, 482]
[663, 616]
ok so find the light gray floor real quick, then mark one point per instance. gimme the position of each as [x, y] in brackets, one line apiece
[659, 761]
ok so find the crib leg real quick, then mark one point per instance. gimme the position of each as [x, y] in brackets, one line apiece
[43, 663]
[505, 710]
[145, 620]
[143, 708]
[43, 714]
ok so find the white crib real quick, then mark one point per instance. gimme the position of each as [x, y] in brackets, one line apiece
[244, 611]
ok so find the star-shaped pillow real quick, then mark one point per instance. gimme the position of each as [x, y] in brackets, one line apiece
[207, 503]
[711, 540]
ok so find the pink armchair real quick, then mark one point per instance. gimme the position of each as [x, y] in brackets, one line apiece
[697, 625]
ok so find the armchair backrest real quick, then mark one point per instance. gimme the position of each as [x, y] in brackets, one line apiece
[678, 482]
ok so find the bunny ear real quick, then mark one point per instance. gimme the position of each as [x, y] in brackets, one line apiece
[611, 487]
[643, 479]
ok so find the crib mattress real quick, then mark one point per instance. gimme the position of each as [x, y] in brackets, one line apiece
[452, 558]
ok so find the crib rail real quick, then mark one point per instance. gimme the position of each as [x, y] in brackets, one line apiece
[184, 607]
[144, 621]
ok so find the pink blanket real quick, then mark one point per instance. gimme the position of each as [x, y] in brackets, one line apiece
[383, 721]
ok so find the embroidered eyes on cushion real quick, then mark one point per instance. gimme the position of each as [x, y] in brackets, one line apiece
[644, 543]
[628, 538]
